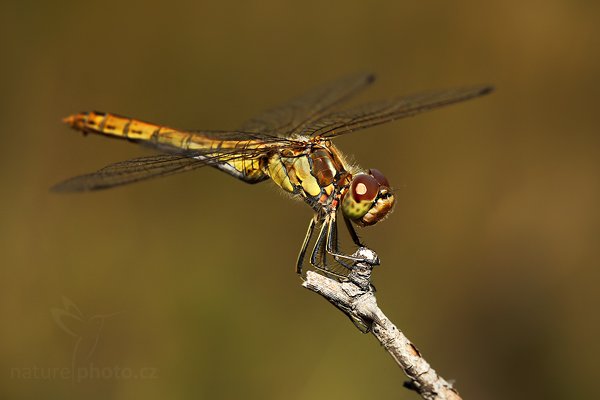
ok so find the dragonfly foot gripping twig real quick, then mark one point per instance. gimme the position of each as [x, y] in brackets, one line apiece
[355, 297]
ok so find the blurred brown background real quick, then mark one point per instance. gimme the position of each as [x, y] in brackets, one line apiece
[490, 260]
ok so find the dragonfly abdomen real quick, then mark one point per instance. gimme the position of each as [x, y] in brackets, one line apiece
[139, 131]
[248, 169]
[114, 125]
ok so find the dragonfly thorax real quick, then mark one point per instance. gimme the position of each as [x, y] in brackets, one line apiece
[316, 174]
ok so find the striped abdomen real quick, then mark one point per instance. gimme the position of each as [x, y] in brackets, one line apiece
[249, 169]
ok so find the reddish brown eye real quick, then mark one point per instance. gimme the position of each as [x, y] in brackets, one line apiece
[364, 187]
[382, 180]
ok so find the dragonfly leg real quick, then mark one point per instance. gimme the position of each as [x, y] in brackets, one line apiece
[326, 243]
[353, 233]
[302, 254]
[318, 247]
[332, 244]
[318, 256]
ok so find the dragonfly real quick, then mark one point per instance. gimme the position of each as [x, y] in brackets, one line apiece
[291, 145]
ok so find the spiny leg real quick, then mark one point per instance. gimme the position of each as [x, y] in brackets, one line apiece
[307, 238]
[352, 232]
[326, 243]
[318, 258]
[332, 245]
[318, 247]
[333, 242]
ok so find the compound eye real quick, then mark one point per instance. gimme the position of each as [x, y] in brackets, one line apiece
[382, 180]
[364, 187]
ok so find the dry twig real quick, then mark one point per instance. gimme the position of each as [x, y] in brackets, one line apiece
[356, 298]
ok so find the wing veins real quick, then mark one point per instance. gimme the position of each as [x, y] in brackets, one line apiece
[291, 117]
[377, 113]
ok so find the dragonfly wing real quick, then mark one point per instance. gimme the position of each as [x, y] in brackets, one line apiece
[365, 116]
[291, 117]
[176, 147]
[129, 171]
[143, 168]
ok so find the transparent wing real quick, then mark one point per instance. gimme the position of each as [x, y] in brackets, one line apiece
[129, 171]
[354, 119]
[291, 117]
[216, 136]
[233, 135]
[142, 168]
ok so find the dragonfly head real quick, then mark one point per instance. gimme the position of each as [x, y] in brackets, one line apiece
[368, 198]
